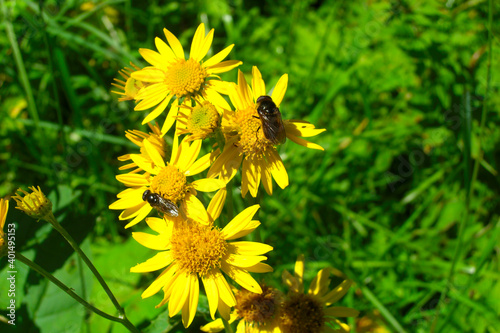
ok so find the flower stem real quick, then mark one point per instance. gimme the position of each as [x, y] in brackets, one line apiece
[227, 326]
[52, 220]
[124, 321]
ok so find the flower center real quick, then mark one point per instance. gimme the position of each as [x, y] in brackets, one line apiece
[204, 119]
[302, 313]
[252, 139]
[257, 308]
[185, 77]
[197, 248]
[132, 87]
[170, 183]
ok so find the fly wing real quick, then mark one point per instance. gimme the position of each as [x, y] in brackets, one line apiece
[169, 208]
[273, 128]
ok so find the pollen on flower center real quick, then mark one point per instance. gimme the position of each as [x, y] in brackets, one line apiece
[302, 313]
[185, 77]
[204, 119]
[170, 183]
[257, 308]
[198, 248]
[252, 139]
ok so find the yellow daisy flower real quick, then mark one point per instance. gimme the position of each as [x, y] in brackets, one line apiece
[34, 204]
[137, 137]
[169, 180]
[130, 87]
[4, 208]
[171, 75]
[191, 251]
[311, 311]
[261, 161]
[257, 313]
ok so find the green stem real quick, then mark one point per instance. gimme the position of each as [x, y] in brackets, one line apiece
[227, 326]
[68, 290]
[52, 220]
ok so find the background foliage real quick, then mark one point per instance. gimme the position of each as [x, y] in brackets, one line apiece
[399, 86]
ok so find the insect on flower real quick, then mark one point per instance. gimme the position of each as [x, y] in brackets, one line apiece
[160, 204]
[270, 117]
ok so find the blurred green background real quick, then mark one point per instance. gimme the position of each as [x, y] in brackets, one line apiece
[400, 86]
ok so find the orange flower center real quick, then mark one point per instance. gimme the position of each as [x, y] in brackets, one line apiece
[252, 140]
[185, 77]
[197, 248]
[170, 183]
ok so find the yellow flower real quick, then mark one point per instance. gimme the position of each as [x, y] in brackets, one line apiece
[257, 313]
[168, 180]
[130, 87]
[245, 140]
[34, 204]
[137, 137]
[191, 251]
[171, 75]
[4, 208]
[311, 311]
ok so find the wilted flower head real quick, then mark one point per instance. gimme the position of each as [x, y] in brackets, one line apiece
[34, 204]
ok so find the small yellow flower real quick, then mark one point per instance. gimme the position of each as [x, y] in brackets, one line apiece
[138, 137]
[172, 76]
[168, 180]
[130, 87]
[245, 139]
[257, 313]
[199, 121]
[34, 204]
[191, 251]
[4, 208]
[311, 311]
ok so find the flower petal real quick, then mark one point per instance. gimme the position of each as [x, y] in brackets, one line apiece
[227, 164]
[239, 222]
[223, 67]
[143, 212]
[164, 50]
[154, 242]
[340, 312]
[132, 199]
[160, 260]
[302, 128]
[258, 85]
[249, 248]
[171, 116]
[212, 294]
[216, 204]
[280, 90]
[154, 58]
[242, 277]
[291, 282]
[202, 163]
[244, 261]
[194, 209]
[149, 74]
[299, 271]
[321, 282]
[198, 38]
[175, 45]
[180, 293]
[162, 280]
[337, 293]
[218, 57]
[277, 168]
[225, 292]
[244, 90]
[265, 173]
[154, 154]
[144, 163]
[208, 184]
[189, 308]
[303, 142]
[260, 268]
[132, 180]
[158, 110]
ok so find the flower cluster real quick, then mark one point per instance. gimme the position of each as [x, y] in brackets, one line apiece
[236, 125]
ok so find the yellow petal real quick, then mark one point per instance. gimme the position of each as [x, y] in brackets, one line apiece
[158, 110]
[221, 87]
[242, 277]
[277, 168]
[202, 163]
[299, 271]
[194, 209]
[215, 98]
[208, 184]
[158, 225]
[149, 92]
[207, 42]
[337, 293]
[260, 268]
[280, 90]
[223, 67]
[188, 153]
[216, 204]
[149, 74]
[163, 279]
[132, 199]
[302, 128]
[4, 208]
[180, 293]
[131, 212]
[154, 154]
[144, 164]
[218, 57]
[244, 90]
[212, 294]
[154, 242]
[244, 261]
[246, 230]
[132, 180]
[251, 176]
[143, 212]
[175, 45]
[154, 58]
[189, 308]
[171, 116]
[265, 173]
[164, 50]
[227, 164]
[291, 282]
[160, 260]
[258, 85]
[340, 312]
[213, 327]
[239, 222]
[321, 282]
[225, 292]
[303, 142]
[249, 248]
[198, 38]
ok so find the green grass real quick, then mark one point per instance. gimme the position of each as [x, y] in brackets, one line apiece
[404, 199]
